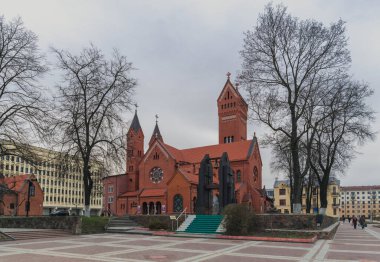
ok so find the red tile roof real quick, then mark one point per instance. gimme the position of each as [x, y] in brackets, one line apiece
[134, 193]
[153, 192]
[236, 151]
[360, 188]
[188, 174]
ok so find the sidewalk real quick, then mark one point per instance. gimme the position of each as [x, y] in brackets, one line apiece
[353, 245]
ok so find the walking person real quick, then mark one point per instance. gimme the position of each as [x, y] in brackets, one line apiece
[343, 218]
[354, 221]
[362, 221]
[349, 219]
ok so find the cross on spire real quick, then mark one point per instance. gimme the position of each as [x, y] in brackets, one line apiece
[156, 118]
[228, 75]
[136, 106]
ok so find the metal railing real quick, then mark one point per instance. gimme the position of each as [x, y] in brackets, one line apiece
[183, 213]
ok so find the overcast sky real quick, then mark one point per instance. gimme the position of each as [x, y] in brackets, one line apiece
[182, 51]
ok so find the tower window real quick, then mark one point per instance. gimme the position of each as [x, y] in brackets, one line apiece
[156, 156]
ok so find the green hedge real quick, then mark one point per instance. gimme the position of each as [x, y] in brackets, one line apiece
[155, 224]
[93, 225]
[239, 220]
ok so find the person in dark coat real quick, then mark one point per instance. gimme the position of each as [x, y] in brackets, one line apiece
[354, 221]
[362, 221]
[349, 219]
[343, 219]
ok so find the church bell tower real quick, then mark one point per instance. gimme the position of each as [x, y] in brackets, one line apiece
[135, 152]
[232, 112]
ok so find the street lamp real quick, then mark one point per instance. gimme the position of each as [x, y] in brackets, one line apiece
[353, 201]
[373, 203]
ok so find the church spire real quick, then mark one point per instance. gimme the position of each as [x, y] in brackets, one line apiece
[156, 133]
[135, 125]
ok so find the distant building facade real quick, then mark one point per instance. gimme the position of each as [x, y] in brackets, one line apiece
[164, 179]
[360, 200]
[282, 197]
[20, 196]
[61, 183]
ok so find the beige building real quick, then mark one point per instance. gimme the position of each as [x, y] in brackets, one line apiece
[282, 197]
[360, 200]
[61, 181]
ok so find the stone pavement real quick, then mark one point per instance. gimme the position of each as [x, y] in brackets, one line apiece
[348, 245]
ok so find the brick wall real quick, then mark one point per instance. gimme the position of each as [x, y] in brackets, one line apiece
[72, 223]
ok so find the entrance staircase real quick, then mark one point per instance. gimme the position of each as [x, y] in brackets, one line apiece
[121, 224]
[25, 234]
[202, 224]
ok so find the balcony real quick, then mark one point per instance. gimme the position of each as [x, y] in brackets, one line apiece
[335, 194]
[335, 205]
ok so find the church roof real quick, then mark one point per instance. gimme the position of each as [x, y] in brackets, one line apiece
[236, 151]
[135, 123]
[156, 134]
[153, 192]
[229, 84]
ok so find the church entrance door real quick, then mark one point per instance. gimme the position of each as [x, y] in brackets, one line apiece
[145, 208]
[158, 207]
[151, 208]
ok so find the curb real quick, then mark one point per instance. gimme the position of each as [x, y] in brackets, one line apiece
[271, 239]
[252, 238]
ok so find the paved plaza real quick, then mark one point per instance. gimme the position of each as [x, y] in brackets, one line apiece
[348, 245]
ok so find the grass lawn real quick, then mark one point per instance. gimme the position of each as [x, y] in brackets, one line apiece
[93, 225]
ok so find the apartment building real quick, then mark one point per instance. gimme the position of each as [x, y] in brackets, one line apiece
[360, 200]
[282, 197]
[61, 181]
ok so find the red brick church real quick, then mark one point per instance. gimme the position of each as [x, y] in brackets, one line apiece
[164, 179]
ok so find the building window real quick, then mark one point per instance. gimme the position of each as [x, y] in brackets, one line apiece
[156, 156]
[178, 203]
[282, 191]
[32, 191]
[110, 199]
[282, 202]
[12, 206]
[238, 176]
[255, 174]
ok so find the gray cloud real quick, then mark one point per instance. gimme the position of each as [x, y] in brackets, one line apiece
[183, 49]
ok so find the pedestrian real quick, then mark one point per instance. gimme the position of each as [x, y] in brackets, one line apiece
[343, 218]
[354, 221]
[349, 219]
[362, 221]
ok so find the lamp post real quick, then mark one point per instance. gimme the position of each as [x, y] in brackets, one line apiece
[353, 200]
[373, 193]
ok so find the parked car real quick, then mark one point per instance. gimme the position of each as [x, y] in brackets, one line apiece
[59, 213]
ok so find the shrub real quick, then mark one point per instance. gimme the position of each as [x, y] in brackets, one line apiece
[155, 224]
[239, 220]
[93, 225]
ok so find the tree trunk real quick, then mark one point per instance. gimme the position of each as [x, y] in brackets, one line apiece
[88, 183]
[297, 179]
[323, 194]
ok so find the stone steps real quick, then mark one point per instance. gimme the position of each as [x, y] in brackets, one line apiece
[37, 234]
[205, 224]
[121, 224]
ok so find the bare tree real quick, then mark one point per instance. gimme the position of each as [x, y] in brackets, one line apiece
[345, 123]
[22, 107]
[94, 93]
[286, 61]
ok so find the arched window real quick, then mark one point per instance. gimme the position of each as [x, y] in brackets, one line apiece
[177, 203]
[255, 174]
[238, 176]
